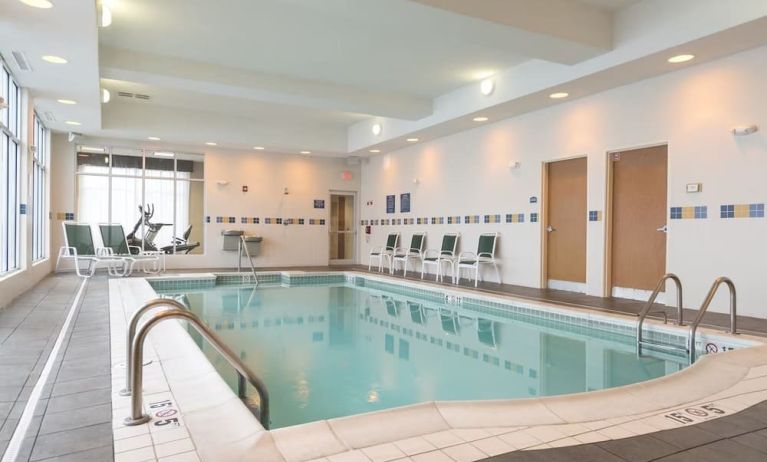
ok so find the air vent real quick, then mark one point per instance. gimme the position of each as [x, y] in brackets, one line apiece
[49, 116]
[21, 60]
[126, 94]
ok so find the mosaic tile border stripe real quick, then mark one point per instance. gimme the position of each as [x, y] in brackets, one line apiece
[266, 220]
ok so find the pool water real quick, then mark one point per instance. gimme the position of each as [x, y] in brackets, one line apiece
[336, 350]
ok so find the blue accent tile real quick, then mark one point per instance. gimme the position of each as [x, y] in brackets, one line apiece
[534, 218]
[593, 215]
[231, 220]
[300, 221]
[487, 219]
[207, 219]
[508, 218]
[322, 221]
[520, 218]
[244, 220]
[23, 209]
[727, 211]
[701, 211]
[676, 213]
[756, 210]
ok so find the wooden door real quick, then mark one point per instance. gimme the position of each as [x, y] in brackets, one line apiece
[638, 237]
[566, 221]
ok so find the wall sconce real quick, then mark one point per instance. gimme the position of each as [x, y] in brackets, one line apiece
[513, 165]
[285, 191]
[222, 182]
[416, 181]
[745, 130]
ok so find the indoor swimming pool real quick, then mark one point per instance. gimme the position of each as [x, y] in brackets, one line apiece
[341, 348]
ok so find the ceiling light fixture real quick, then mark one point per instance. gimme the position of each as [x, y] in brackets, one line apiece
[153, 138]
[91, 149]
[377, 129]
[559, 95]
[480, 119]
[72, 122]
[375, 151]
[487, 86]
[412, 140]
[106, 16]
[258, 148]
[211, 143]
[680, 59]
[105, 95]
[164, 154]
[306, 152]
[67, 101]
[44, 4]
[54, 59]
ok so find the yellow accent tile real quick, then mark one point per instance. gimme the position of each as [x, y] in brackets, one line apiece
[688, 212]
[741, 211]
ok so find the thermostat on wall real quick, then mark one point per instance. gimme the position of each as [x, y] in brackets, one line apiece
[694, 187]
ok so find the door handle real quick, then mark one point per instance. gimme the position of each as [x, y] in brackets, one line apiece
[663, 229]
[550, 228]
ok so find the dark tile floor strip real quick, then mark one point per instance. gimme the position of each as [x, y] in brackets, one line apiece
[73, 420]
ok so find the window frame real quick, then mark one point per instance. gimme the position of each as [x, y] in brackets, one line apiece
[11, 161]
[39, 188]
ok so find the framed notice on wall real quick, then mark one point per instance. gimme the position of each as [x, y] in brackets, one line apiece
[391, 204]
[319, 203]
[404, 203]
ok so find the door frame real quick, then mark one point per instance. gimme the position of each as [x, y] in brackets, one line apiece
[607, 279]
[354, 230]
[543, 218]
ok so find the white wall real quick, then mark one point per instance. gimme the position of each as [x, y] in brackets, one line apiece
[692, 110]
[266, 175]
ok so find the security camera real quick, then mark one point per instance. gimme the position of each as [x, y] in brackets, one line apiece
[72, 136]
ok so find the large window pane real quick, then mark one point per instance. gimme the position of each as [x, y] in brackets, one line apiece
[93, 199]
[126, 198]
[159, 199]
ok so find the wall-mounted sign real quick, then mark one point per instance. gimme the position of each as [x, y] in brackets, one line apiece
[319, 203]
[244, 188]
[391, 203]
[533, 200]
[404, 203]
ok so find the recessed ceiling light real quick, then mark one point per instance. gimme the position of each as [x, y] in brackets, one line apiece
[412, 140]
[377, 129]
[680, 59]
[164, 154]
[258, 148]
[375, 151]
[487, 86]
[559, 95]
[480, 119]
[66, 101]
[105, 95]
[153, 138]
[54, 59]
[211, 143]
[72, 122]
[106, 16]
[45, 4]
[306, 152]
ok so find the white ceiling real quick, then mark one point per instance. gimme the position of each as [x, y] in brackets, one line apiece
[313, 75]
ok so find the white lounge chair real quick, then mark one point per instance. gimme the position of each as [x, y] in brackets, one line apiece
[446, 254]
[415, 251]
[384, 253]
[485, 256]
[116, 245]
[78, 247]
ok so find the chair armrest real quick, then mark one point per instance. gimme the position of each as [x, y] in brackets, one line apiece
[376, 249]
[431, 253]
[104, 251]
[487, 255]
[137, 248]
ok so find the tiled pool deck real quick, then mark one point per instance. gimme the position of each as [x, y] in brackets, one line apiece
[693, 415]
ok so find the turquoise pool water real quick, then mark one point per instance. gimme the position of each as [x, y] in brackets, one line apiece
[338, 349]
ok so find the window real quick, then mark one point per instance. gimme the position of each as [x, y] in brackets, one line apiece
[39, 210]
[124, 185]
[10, 171]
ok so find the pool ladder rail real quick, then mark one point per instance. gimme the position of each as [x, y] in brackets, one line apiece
[689, 347]
[244, 247]
[135, 356]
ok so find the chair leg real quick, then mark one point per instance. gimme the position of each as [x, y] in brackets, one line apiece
[423, 265]
[404, 268]
[476, 275]
[497, 273]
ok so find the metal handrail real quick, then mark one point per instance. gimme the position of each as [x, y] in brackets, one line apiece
[132, 325]
[646, 309]
[706, 302]
[243, 246]
[137, 416]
